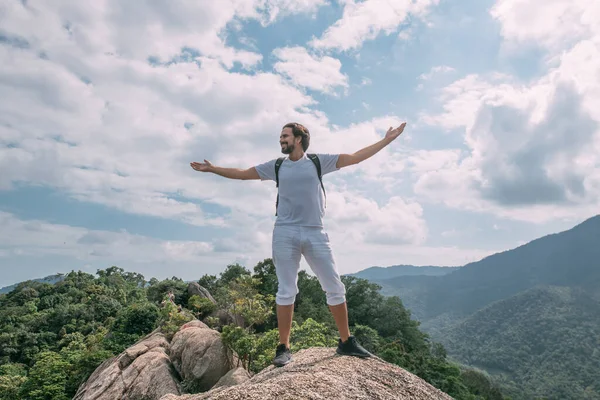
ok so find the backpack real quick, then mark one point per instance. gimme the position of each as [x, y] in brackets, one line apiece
[314, 158]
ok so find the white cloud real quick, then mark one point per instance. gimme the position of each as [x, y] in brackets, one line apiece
[356, 220]
[39, 238]
[533, 148]
[423, 161]
[119, 138]
[130, 31]
[274, 9]
[85, 113]
[462, 98]
[554, 24]
[365, 20]
[384, 168]
[309, 71]
[98, 249]
[439, 69]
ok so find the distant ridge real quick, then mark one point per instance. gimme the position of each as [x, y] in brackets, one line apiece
[51, 279]
[393, 271]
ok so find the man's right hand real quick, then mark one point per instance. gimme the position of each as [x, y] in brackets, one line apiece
[206, 166]
[231, 173]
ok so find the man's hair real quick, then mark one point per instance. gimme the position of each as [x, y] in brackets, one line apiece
[300, 130]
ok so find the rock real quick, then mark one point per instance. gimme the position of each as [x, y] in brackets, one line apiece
[152, 341]
[319, 373]
[232, 378]
[199, 356]
[143, 371]
[224, 317]
[194, 289]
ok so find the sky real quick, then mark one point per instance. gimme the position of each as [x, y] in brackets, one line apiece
[104, 105]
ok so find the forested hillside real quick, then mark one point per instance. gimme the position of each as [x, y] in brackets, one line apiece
[528, 316]
[555, 329]
[53, 336]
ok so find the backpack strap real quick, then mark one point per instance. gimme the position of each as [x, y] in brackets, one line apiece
[277, 166]
[315, 159]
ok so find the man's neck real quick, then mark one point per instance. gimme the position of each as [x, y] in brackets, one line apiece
[296, 155]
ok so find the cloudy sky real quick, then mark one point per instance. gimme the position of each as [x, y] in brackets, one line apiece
[104, 105]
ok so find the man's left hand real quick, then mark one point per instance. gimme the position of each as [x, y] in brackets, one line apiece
[392, 134]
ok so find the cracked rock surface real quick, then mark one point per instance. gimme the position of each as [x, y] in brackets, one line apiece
[143, 371]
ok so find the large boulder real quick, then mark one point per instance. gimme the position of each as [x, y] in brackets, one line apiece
[143, 371]
[200, 357]
[194, 361]
[319, 373]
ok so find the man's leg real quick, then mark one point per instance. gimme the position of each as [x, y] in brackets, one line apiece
[284, 323]
[340, 315]
[319, 256]
[286, 257]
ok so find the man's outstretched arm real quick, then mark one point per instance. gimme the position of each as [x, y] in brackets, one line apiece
[231, 173]
[345, 160]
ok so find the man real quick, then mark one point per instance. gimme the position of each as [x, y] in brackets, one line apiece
[299, 231]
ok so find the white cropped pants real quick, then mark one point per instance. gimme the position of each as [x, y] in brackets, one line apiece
[292, 242]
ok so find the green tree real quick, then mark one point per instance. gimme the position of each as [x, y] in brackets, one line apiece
[367, 337]
[311, 301]
[210, 283]
[12, 378]
[310, 334]
[201, 306]
[246, 304]
[232, 272]
[178, 287]
[171, 318]
[265, 272]
[137, 319]
[242, 342]
[47, 378]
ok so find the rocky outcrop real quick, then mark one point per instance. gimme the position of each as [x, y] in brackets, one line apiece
[143, 371]
[319, 373]
[195, 360]
[200, 357]
[194, 289]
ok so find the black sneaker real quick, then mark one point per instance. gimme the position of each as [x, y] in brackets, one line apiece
[352, 348]
[283, 355]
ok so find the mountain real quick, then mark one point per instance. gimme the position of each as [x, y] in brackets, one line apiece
[555, 329]
[570, 258]
[383, 273]
[52, 279]
[530, 316]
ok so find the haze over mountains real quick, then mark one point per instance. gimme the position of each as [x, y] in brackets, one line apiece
[529, 316]
[375, 273]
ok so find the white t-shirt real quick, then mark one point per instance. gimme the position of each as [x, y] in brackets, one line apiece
[301, 198]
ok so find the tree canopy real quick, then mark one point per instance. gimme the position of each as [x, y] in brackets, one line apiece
[53, 336]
